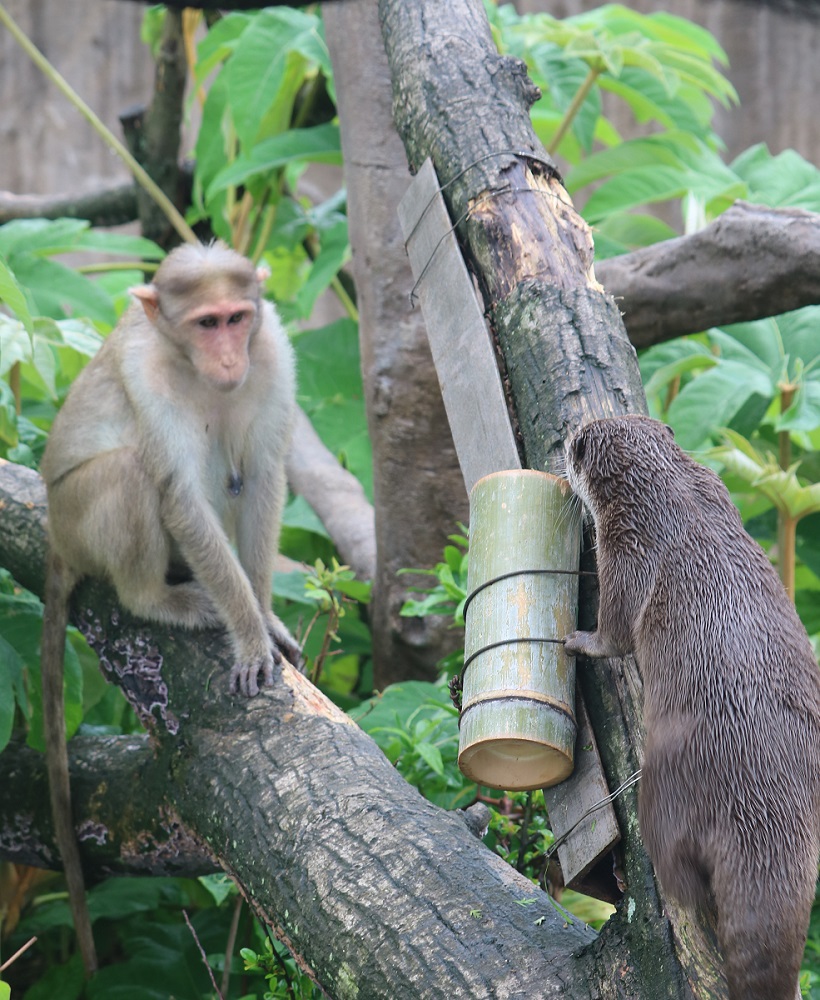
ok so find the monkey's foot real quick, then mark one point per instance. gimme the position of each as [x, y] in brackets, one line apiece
[245, 676]
[284, 644]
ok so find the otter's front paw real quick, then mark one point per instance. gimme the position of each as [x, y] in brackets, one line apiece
[589, 644]
[578, 642]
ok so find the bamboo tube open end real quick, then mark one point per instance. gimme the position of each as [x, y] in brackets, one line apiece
[515, 765]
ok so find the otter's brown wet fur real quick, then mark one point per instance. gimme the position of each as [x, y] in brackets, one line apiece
[730, 794]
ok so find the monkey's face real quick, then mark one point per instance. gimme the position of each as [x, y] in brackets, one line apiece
[218, 341]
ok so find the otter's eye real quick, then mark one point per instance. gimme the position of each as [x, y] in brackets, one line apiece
[579, 446]
[670, 431]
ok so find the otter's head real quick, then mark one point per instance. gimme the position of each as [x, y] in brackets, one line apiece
[615, 461]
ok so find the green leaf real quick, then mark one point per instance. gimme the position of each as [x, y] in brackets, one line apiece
[631, 188]
[653, 151]
[258, 67]
[804, 412]
[319, 144]
[781, 487]
[102, 241]
[712, 399]
[15, 343]
[786, 179]
[682, 366]
[333, 255]
[13, 295]
[11, 671]
[219, 43]
[220, 886]
[760, 340]
[56, 290]
[41, 237]
[431, 756]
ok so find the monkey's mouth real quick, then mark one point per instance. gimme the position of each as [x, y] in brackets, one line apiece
[227, 383]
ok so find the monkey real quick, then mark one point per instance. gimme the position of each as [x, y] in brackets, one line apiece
[729, 805]
[169, 447]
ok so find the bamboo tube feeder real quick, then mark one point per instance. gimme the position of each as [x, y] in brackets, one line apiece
[518, 703]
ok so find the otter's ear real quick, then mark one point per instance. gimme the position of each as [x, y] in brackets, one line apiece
[578, 446]
[669, 431]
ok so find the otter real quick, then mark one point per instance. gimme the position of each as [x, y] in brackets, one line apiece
[729, 805]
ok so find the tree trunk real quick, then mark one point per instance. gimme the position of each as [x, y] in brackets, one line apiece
[418, 489]
[567, 359]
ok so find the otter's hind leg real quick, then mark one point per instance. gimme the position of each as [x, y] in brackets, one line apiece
[763, 918]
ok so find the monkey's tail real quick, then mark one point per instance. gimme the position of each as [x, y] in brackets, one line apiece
[59, 584]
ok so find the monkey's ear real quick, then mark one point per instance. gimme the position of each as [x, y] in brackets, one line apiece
[148, 295]
[262, 274]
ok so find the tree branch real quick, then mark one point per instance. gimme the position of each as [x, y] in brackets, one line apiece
[113, 207]
[129, 835]
[361, 877]
[751, 262]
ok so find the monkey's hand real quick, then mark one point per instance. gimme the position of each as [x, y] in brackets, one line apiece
[590, 644]
[284, 644]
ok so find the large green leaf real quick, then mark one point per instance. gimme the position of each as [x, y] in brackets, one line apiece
[331, 393]
[57, 290]
[259, 65]
[665, 150]
[783, 180]
[13, 295]
[334, 254]
[319, 144]
[712, 400]
[40, 236]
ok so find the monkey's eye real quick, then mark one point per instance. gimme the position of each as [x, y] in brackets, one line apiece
[208, 322]
[235, 318]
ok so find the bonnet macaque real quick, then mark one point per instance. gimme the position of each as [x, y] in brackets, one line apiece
[170, 447]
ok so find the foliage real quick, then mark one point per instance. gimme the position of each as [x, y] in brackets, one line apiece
[267, 115]
[416, 725]
[661, 68]
[283, 976]
[448, 595]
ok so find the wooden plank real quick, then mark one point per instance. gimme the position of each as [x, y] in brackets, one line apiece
[459, 340]
[479, 420]
[567, 803]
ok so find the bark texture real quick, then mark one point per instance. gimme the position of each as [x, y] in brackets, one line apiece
[121, 834]
[517, 224]
[418, 490]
